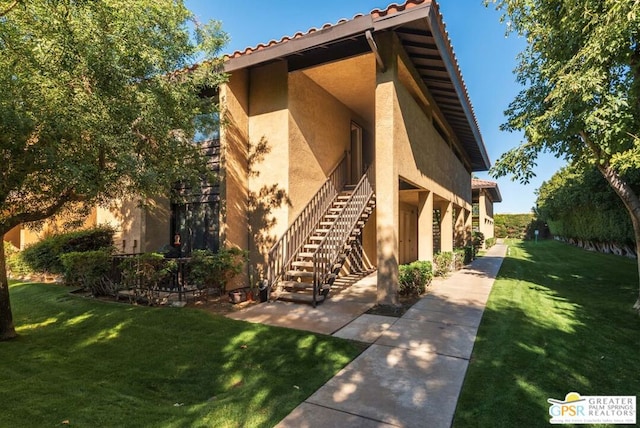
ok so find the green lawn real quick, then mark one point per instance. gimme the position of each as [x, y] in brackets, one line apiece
[559, 319]
[100, 364]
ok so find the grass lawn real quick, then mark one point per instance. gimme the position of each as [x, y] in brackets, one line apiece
[559, 319]
[101, 364]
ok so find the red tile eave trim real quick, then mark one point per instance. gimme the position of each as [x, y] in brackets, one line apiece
[375, 14]
[385, 18]
[482, 184]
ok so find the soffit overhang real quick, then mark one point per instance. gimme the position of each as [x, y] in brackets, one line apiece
[490, 187]
[419, 27]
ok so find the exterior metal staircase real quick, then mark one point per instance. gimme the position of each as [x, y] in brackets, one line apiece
[333, 241]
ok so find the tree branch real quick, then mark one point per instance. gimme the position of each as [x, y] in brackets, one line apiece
[9, 8]
[593, 147]
[28, 217]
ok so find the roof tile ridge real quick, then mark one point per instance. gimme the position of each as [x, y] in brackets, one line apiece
[298, 34]
[397, 8]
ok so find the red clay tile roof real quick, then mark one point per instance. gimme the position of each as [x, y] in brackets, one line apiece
[469, 135]
[482, 184]
[490, 186]
[375, 13]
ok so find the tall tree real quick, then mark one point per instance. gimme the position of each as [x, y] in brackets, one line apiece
[581, 99]
[577, 203]
[97, 102]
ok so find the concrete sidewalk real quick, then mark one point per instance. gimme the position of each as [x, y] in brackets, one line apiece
[412, 373]
[332, 315]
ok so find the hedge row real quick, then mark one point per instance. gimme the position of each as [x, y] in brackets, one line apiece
[45, 256]
[415, 277]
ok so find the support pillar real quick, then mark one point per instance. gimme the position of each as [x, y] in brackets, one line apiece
[468, 226]
[425, 226]
[446, 226]
[387, 193]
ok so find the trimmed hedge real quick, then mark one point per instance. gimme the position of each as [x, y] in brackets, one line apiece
[44, 256]
[415, 277]
[90, 270]
[208, 269]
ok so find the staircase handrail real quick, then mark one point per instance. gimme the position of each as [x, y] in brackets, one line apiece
[333, 243]
[285, 249]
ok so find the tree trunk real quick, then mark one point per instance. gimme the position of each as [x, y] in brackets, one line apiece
[7, 331]
[632, 203]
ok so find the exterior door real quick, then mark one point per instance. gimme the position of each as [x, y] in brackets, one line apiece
[356, 153]
[408, 235]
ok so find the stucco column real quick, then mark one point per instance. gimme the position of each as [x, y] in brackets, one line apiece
[425, 226]
[386, 199]
[446, 226]
[468, 225]
[387, 203]
[482, 208]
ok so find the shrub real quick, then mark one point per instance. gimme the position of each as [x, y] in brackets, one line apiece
[490, 242]
[512, 225]
[146, 271]
[90, 270]
[469, 254]
[14, 262]
[442, 263]
[145, 274]
[44, 256]
[415, 277]
[459, 258]
[208, 269]
[477, 240]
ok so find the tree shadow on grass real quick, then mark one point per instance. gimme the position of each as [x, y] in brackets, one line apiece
[101, 364]
[559, 320]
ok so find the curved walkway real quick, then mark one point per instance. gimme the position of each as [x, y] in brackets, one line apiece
[412, 373]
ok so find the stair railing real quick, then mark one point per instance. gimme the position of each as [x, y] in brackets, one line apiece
[336, 241]
[287, 247]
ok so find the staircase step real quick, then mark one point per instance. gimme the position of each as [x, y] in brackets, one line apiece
[303, 264]
[296, 286]
[299, 297]
[300, 273]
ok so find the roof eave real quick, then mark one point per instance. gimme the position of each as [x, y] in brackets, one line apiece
[426, 14]
[298, 44]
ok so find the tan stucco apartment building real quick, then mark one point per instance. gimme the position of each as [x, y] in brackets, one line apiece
[484, 194]
[343, 148]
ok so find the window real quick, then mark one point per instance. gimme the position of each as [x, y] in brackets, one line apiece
[207, 127]
[196, 217]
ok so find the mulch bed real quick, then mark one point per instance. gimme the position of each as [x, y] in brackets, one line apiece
[404, 303]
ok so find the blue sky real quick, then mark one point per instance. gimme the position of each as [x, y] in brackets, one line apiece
[486, 58]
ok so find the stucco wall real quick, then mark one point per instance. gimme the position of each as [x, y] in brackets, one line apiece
[269, 172]
[234, 178]
[319, 135]
[424, 158]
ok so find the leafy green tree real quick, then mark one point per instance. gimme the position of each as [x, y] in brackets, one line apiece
[578, 203]
[98, 103]
[581, 98]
